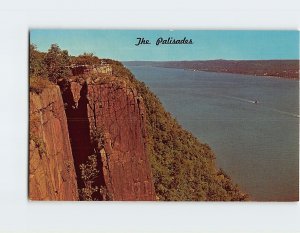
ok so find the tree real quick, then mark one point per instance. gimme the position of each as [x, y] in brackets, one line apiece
[36, 66]
[86, 59]
[57, 63]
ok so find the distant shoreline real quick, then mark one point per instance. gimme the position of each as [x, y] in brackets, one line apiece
[262, 76]
[287, 69]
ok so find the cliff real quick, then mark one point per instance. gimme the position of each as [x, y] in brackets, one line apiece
[104, 118]
[108, 137]
[51, 166]
[107, 118]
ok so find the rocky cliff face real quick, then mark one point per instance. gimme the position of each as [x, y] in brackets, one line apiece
[88, 141]
[68, 124]
[51, 166]
[108, 119]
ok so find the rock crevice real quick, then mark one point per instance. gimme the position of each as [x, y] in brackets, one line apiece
[74, 121]
[116, 114]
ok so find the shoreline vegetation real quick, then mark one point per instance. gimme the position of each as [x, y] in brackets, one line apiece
[183, 168]
[288, 69]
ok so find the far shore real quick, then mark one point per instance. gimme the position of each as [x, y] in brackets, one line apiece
[287, 69]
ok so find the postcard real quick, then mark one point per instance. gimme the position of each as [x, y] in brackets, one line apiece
[163, 115]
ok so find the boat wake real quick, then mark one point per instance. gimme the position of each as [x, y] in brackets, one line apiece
[241, 99]
[256, 102]
[283, 112]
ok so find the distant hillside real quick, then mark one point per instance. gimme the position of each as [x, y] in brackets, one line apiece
[278, 68]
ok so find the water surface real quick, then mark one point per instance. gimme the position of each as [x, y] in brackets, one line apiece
[256, 144]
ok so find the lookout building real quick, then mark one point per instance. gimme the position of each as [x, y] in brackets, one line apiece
[102, 68]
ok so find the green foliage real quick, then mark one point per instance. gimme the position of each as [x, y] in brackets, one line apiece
[119, 70]
[85, 59]
[44, 67]
[97, 138]
[57, 63]
[36, 63]
[89, 173]
[105, 193]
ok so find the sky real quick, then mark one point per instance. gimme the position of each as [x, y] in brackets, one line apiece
[207, 44]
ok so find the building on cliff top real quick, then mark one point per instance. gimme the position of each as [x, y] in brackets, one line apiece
[103, 68]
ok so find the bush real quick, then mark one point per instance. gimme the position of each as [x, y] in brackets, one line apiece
[89, 173]
[97, 138]
[36, 62]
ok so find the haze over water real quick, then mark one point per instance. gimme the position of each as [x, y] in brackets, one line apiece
[256, 144]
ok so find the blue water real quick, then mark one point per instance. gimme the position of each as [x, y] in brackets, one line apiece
[256, 144]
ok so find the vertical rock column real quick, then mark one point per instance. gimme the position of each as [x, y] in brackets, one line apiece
[51, 166]
[117, 113]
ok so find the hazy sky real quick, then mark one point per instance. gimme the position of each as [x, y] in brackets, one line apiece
[207, 45]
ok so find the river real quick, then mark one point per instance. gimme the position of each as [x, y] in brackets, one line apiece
[255, 143]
